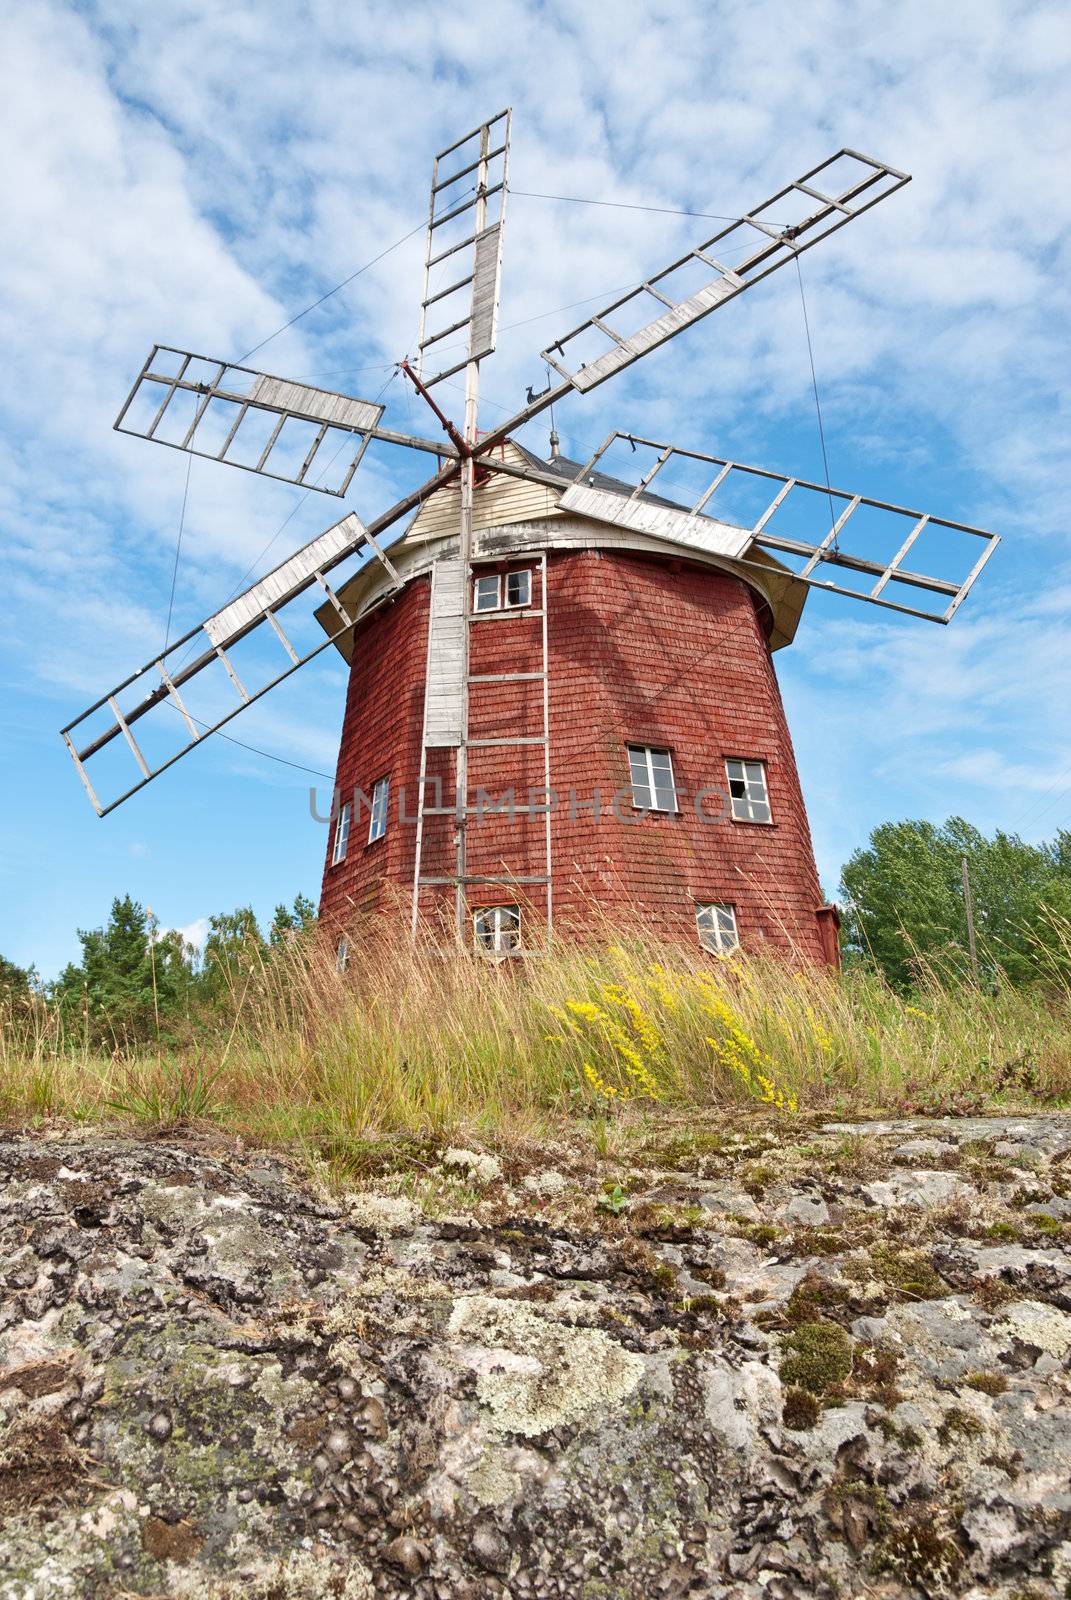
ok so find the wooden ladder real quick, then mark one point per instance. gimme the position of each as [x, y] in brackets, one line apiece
[447, 695]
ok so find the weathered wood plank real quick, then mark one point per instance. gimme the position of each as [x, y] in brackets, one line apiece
[445, 695]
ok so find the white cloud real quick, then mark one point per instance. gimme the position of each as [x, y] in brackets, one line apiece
[194, 933]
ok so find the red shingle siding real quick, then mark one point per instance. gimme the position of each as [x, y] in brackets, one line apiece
[642, 650]
[381, 733]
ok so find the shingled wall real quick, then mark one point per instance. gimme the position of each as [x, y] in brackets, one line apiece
[642, 650]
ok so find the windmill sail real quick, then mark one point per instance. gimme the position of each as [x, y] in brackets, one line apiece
[157, 698]
[248, 419]
[463, 261]
[770, 235]
[814, 530]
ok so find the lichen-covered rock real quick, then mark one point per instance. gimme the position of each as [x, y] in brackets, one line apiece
[479, 1166]
[773, 1372]
[536, 1373]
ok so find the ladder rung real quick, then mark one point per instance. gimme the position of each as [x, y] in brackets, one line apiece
[482, 744]
[426, 344]
[463, 172]
[463, 206]
[488, 811]
[506, 677]
[451, 250]
[451, 289]
[500, 877]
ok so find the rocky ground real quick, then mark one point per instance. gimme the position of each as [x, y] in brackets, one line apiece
[770, 1362]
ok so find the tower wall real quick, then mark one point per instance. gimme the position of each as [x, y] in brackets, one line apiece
[642, 650]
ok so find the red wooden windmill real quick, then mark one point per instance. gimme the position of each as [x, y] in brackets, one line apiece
[561, 687]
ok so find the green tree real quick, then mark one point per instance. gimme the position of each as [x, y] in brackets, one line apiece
[16, 984]
[904, 898]
[131, 977]
[291, 920]
[234, 947]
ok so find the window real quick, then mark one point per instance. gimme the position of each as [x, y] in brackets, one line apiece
[377, 822]
[717, 928]
[747, 786]
[498, 928]
[342, 954]
[519, 588]
[485, 594]
[652, 778]
[342, 833]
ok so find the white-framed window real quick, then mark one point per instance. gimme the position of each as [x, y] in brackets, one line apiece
[717, 927]
[497, 928]
[377, 821]
[493, 591]
[342, 954]
[342, 833]
[651, 772]
[486, 593]
[747, 788]
[519, 588]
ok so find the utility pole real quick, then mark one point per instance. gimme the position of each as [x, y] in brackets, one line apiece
[969, 905]
[152, 958]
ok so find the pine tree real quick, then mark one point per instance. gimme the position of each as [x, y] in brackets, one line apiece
[290, 921]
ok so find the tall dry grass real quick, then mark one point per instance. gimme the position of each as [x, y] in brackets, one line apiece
[428, 1043]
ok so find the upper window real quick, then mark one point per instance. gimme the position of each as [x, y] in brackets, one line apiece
[495, 590]
[651, 771]
[747, 787]
[519, 588]
[342, 833]
[498, 928]
[377, 822]
[717, 927]
[485, 593]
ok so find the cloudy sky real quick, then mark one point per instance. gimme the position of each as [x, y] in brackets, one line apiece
[196, 174]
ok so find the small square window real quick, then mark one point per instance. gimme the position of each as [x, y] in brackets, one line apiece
[717, 927]
[651, 772]
[747, 788]
[519, 588]
[485, 593]
[377, 822]
[498, 928]
[342, 954]
[342, 834]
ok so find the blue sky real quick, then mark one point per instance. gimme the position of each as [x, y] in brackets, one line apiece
[195, 174]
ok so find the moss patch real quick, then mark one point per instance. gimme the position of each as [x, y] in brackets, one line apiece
[39, 1466]
[800, 1410]
[874, 1372]
[916, 1552]
[959, 1424]
[817, 1299]
[987, 1382]
[817, 1356]
[909, 1273]
[170, 1541]
[991, 1292]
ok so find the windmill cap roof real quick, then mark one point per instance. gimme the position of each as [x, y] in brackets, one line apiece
[571, 472]
[505, 501]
